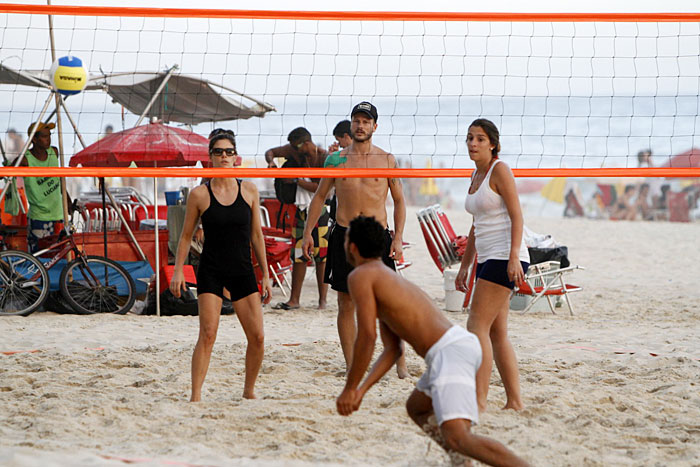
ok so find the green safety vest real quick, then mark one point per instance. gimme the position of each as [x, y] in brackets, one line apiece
[44, 193]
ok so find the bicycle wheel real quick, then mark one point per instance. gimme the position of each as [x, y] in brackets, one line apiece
[94, 284]
[24, 283]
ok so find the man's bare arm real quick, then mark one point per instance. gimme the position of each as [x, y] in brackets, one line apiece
[361, 291]
[396, 190]
[362, 295]
[391, 353]
[314, 213]
[281, 151]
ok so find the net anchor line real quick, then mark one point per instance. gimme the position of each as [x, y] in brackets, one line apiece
[148, 12]
[185, 172]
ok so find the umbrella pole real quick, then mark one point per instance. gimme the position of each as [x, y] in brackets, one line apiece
[104, 213]
[155, 206]
[155, 94]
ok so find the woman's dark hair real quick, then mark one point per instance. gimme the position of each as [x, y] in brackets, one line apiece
[492, 132]
[368, 235]
[219, 134]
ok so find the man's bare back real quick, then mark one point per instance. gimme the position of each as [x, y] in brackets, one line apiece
[402, 306]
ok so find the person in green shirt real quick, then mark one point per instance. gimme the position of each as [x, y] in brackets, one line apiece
[45, 216]
[341, 132]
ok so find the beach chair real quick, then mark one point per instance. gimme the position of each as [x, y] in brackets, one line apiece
[278, 245]
[446, 248]
[547, 280]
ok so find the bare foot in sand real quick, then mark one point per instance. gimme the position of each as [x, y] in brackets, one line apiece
[248, 395]
[517, 406]
[401, 370]
[321, 304]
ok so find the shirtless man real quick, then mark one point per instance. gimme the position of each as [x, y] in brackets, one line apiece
[358, 196]
[447, 389]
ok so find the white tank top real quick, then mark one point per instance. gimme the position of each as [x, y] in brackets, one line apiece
[492, 226]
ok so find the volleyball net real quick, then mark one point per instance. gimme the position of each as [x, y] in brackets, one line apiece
[572, 94]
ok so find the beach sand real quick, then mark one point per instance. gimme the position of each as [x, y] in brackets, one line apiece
[616, 384]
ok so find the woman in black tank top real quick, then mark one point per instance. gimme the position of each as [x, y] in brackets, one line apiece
[229, 210]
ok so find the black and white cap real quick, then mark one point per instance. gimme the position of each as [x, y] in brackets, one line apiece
[365, 107]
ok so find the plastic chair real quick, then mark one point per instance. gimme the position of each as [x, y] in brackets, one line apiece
[278, 245]
[546, 280]
[444, 245]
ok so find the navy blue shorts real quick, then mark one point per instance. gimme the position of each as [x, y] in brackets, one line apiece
[496, 271]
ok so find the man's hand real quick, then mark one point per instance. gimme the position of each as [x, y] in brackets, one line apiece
[333, 147]
[348, 401]
[396, 251]
[307, 246]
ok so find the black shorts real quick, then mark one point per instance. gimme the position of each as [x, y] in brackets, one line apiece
[496, 271]
[337, 267]
[211, 281]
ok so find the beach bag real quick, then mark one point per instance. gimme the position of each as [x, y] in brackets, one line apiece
[286, 193]
[12, 198]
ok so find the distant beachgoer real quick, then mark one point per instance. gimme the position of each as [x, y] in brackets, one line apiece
[443, 403]
[625, 208]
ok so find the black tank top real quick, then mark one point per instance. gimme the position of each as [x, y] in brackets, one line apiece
[227, 235]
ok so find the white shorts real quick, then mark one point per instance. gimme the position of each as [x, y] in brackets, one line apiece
[450, 377]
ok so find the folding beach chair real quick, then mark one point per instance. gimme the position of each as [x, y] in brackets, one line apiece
[445, 247]
[546, 280]
[278, 245]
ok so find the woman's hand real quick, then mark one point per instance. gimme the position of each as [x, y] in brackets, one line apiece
[266, 290]
[177, 283]
[461, 280]
[515, 271]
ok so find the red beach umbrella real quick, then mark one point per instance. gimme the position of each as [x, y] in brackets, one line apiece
[150, 145]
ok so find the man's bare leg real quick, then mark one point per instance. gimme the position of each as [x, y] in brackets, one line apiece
[298, 274]
[347, 327]
[458, 437]
[249, 313]
[420, 409]
[322, 286]
[401, 368]
[209, 313]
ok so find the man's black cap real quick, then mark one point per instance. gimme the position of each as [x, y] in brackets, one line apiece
[365, 107]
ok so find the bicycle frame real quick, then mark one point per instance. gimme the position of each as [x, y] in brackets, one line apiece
[68, 245]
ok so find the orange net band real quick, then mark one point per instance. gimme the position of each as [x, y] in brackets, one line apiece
[189, 172]
[80, 10]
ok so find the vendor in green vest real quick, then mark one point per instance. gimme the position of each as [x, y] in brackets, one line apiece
[45, 216]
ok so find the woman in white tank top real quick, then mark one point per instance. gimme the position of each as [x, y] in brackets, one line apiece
[496, 238]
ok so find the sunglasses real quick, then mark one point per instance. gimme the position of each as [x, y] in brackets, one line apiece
[221, 151]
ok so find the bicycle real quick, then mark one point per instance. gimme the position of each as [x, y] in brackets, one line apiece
[90, 284]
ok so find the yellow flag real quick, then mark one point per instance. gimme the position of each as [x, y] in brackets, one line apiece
[554, 190]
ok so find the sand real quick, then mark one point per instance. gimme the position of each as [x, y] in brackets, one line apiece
[616, 384]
